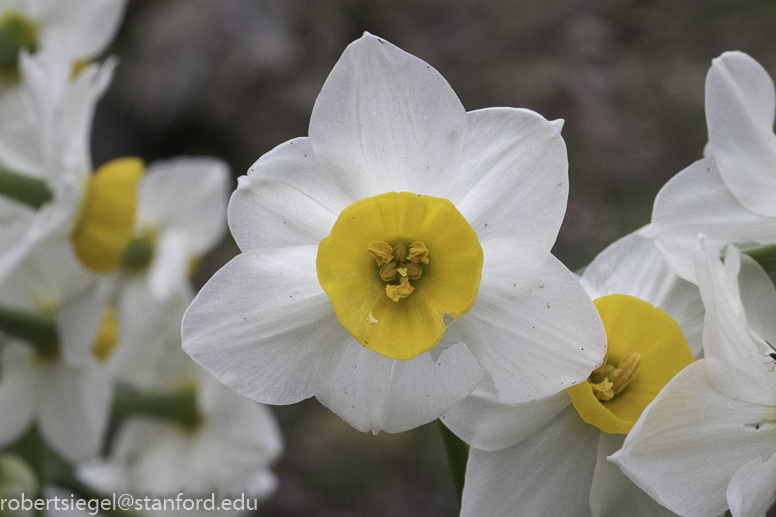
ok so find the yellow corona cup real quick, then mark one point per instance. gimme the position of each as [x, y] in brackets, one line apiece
[399, 268]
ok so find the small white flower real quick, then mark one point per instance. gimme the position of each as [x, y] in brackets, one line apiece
[548, 456]
[394, 168]
[706, 443]
[228, 452]
[730, 194]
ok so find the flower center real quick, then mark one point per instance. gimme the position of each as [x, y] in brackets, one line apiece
[107, 219]
[607, 381]
[399, 268]
[395, 263]
[648, 348]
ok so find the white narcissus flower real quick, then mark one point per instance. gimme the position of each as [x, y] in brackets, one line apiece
[548, 456]
[729, 195]
[47, 140]
[228, 452]
[61, 383]
[396, 253]
[706, 442]
[181, 215]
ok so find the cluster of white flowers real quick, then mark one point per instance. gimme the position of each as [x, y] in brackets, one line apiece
[395, 264]
[95, 392]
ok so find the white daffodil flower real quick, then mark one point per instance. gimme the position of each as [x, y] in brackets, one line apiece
[706, 444]
[395, 253]
[227, 452]
[548, 456]
[730, 194]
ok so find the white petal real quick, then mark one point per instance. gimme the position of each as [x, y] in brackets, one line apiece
[739, 370]
[689, 428]
[752, 489]
[78, 321]
[374, 393]
[533, 328]
[548, 474]
[287, 199]
[485, 424]
[758, 297]
[18, 391]
[612, 491]
[84, 29]
[74, 409]
[740, 105]
[168, 273]
[264, 327]
[187, 195]
[634, 266]
[386, 121]
[697, 201]
[513, 176]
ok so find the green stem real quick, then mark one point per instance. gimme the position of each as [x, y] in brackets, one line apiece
[180, 407]
[31, 191]
[33, 328]
[457, 456]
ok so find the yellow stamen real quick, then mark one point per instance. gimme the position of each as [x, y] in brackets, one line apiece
[381, 251]
[397, 292]
[107, 336]
[614, 379]
[418, 253]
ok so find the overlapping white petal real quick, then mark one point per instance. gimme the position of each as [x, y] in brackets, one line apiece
[529, 323]
[485, 424]
[69, 404]
[288, 198]
[689, 427]
[264, 326]
[752, 488]
[612, 492]
[740, 102]
[697, 201]
[554, 477]
[634, 266]
[740, 369]
[374, 393]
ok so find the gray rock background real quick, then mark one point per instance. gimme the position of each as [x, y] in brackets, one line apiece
[234, 78]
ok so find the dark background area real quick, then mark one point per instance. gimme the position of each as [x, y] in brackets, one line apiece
[235, 78]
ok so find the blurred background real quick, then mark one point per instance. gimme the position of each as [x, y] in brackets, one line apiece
[235, 78]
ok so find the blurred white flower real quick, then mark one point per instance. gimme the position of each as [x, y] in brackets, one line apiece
[228, 451]
[76, 30]
[396, 253]
[706, 443]
[59, 381]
